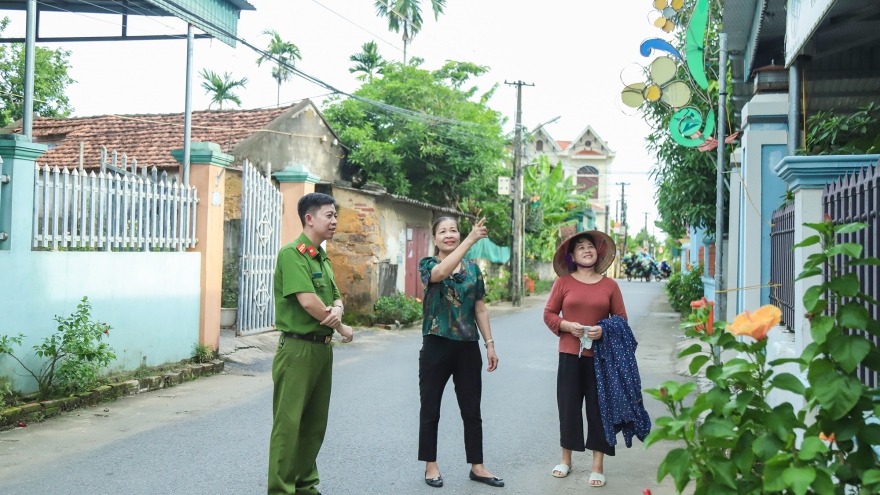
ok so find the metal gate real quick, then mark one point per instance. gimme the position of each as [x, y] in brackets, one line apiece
[260, 243]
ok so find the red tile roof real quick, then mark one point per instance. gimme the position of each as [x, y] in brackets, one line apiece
[563, 144]
[587, 153]
[147, 138]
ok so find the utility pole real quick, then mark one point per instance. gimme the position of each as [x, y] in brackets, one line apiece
[647, 241]
[719, 179]
[623, 213]
[516, 258]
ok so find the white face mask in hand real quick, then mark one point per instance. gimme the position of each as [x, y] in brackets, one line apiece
[586, 342]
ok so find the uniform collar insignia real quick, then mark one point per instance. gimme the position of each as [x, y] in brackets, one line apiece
[312, 251]
[302, 248]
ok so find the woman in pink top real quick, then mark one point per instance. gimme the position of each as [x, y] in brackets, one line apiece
[584, 296]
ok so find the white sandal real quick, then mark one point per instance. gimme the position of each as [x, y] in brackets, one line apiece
[562, 468]
[597, 477]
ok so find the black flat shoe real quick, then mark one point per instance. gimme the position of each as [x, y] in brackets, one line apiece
[435, 482]
[493, 481]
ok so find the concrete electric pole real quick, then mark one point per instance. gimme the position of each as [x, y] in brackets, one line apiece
[516, 250]
[623, 213]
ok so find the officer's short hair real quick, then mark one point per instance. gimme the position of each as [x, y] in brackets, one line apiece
[311, 203]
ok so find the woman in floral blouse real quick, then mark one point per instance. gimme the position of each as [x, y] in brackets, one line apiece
[454, 311]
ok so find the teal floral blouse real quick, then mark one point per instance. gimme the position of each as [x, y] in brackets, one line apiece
[449, 305]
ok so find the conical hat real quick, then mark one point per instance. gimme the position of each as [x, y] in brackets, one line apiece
[605, 247]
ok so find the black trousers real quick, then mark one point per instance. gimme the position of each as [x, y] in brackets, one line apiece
[575, 386]
[439, 359]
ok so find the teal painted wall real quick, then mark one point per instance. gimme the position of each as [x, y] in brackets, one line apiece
[151, 300]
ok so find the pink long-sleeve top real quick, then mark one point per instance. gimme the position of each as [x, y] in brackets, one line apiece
[586, 304]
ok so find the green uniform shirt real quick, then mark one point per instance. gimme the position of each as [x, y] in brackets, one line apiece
[298, 270]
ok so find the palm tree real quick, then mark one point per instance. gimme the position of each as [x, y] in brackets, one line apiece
[406, 15]
[283, 53]
[367, 61]
[220, 88]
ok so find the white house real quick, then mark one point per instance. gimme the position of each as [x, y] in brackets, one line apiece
[587, 158]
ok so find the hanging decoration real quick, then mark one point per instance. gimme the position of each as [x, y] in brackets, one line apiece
[687, 127]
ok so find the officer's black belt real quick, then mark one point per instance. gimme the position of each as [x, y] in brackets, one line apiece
[311, 337]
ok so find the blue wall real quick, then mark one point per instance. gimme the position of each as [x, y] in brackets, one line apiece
[772, 190]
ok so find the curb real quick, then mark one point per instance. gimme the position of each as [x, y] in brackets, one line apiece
[39, 411]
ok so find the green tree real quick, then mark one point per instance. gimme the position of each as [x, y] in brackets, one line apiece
[283, 53]
[685, 177]
[367, 61]
[554, 202]
[220, 88]
[406, 16]
[50, 81]
[446, 148]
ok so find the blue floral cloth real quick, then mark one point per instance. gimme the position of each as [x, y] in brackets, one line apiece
[619, 383]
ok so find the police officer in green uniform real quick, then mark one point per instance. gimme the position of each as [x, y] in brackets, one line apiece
[308, 308]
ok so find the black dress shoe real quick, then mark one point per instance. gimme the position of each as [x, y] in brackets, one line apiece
[435, 482]
[493, 481]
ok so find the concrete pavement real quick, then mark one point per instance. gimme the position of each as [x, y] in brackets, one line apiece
[211, 435]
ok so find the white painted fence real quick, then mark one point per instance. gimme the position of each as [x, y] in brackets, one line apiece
[111, 211]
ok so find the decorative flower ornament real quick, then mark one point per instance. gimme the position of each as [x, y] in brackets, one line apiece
[667, 10]
[659, 87]
[757, 324]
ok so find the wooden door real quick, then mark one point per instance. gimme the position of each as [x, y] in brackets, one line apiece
[417, 244]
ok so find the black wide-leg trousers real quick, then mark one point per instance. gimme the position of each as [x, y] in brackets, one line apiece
[439, 359]
[576, 386]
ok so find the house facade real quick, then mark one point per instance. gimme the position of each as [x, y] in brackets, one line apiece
[380, 236]
[587, 159]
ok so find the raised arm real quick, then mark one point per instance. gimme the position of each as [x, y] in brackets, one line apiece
[444, 269]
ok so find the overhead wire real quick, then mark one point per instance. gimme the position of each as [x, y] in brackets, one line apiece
[359, 26]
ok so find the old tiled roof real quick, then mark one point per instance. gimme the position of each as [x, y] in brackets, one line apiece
[563, 144]
[147, 138]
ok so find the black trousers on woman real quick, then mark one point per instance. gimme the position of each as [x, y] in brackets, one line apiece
[575, 386]
[439, 359]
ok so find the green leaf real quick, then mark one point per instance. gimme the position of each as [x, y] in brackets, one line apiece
[812, 295]
[717, 428]
[696, 363]
[683, 391]
[849, 350]
[819, 227]
[849, 228]
[787, 381]
[809, 241]
[848, 248]
[773, 481]
[847, 285]
[820, 326]
[871, 476]
[725, 472]
[799, 478]
[870, 434]
[780, 362]
[810, 447]
[810, 272]
[766, 446]
[690, 350]
[853, 315]
[823, 483]
[837, 394]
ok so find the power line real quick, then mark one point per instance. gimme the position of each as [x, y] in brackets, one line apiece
[359, 26]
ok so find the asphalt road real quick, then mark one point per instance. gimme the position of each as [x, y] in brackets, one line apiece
[211, 436]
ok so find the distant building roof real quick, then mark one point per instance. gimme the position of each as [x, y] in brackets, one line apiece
[563, 144]
[147, 138]
[588, 153]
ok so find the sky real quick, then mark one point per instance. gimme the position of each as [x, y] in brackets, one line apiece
[573, 51]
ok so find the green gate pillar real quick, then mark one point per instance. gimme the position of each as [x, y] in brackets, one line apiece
[18, 155]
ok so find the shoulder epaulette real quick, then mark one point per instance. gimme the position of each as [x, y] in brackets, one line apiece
[303, 249]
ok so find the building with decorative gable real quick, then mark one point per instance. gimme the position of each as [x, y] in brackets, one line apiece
[586, 158]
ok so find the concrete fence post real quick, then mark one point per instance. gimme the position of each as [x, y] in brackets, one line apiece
[18, 155]
[208, 175]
